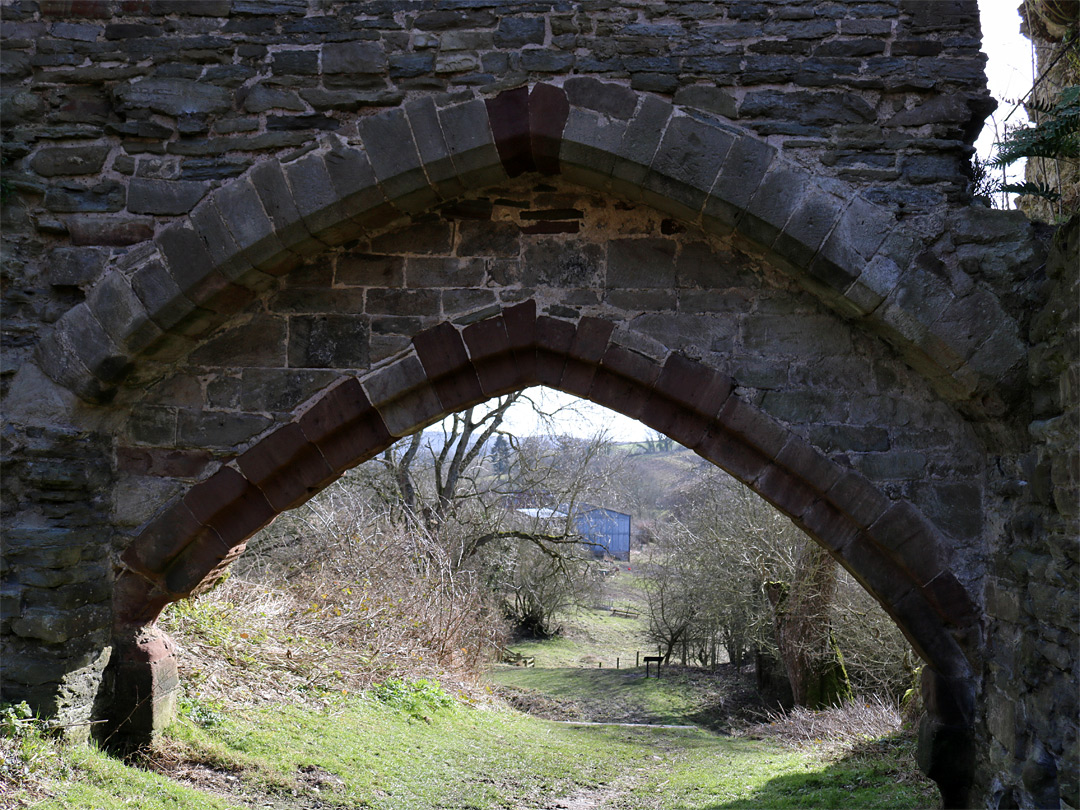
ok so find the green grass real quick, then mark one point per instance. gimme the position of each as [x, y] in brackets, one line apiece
[378, 756]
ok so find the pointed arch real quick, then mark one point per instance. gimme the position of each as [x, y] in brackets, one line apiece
[852, 254]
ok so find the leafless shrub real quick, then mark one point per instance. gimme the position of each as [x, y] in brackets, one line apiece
[853, 722]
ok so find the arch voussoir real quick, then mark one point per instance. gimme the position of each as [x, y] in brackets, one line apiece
[286, 467]
[442, 352]
[624, 380]
[345, 426]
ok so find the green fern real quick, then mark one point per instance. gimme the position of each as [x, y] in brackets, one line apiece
[1057, 136]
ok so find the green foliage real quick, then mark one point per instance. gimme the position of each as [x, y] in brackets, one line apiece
[1056, 136]
[415, 698]
[18, 721]
[202, 713]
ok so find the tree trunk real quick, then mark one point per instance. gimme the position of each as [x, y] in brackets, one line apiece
[813, 662]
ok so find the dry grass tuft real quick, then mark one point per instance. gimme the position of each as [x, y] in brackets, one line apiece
[843, 726]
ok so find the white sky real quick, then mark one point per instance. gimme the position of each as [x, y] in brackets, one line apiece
[1009, 74]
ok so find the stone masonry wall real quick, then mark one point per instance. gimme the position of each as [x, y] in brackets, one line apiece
[118, 114]
[667, 287]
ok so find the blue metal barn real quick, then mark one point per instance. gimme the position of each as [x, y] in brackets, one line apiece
[605, 531]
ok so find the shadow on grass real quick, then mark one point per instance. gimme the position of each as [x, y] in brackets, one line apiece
[876, 775]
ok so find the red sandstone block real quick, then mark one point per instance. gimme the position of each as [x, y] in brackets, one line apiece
[786, 492]
[508, 114]
[137, 601]
[441, 350]
[878, 573]
[162, 461]
[911, 539]
[759, 430]
[287, 467]
[857, 498]
[446, 362]
[732, 454]
[548, 111]
[948, 699]
[196, 564]
[403, 394]
[829, 525]
[926, 629]
[591, 339]
[345, 426]
[230, 504]
[163, 539]
[492, 357]
[808, 463]
[553, 339]
[951, 599]
[623, 381]
[520, 323]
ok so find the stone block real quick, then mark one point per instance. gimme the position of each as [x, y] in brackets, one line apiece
[230, 505]
[514, 32]
[328, 341]
[225, 254]
[805, 231]
[55, 626]
[491, 356]
[74, 267]
[356, 194]
[911, 540]
[162, 462]
[925, 629]
[623, 381]
[876, 571]
[241, 210]
[590, 342]
[686, 399]
[80, 333]
[345, 426]
[72, 198]
[858, 234]
[279, 391]
[353, 57]
[164, 197]
[640, 142]
[268, 179]
[191, 267]
[174, 97]
[446, 362]
[508, 115]
[641, 263]
[778, 195]
[199, 566]
[789, 493]
[731, 454]
[747, 162]
[113, 231]
[122, 315]
[218, 429]
[137, 601]
[286, 467]
[589, 147]
[857, 498]
[471, 142]
[952, 600]
[390, 147]
[145, 687]
[688, 161]
[548, 111]
[431, 146]
[162, 540]
[808, 463]
[403, 396]
[707, 98]
[825, 522]
[260, 341]
[553, 340]
[609, 99]
[51, 161]
[760, 431]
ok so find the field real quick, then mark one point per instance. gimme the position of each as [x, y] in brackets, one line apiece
[590, 737]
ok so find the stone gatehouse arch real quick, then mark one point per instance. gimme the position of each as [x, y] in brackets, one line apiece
[250, 254]
[934, 349]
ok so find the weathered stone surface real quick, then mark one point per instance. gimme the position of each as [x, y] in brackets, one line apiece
[59, 160]
[174, 97]
[168, 197]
